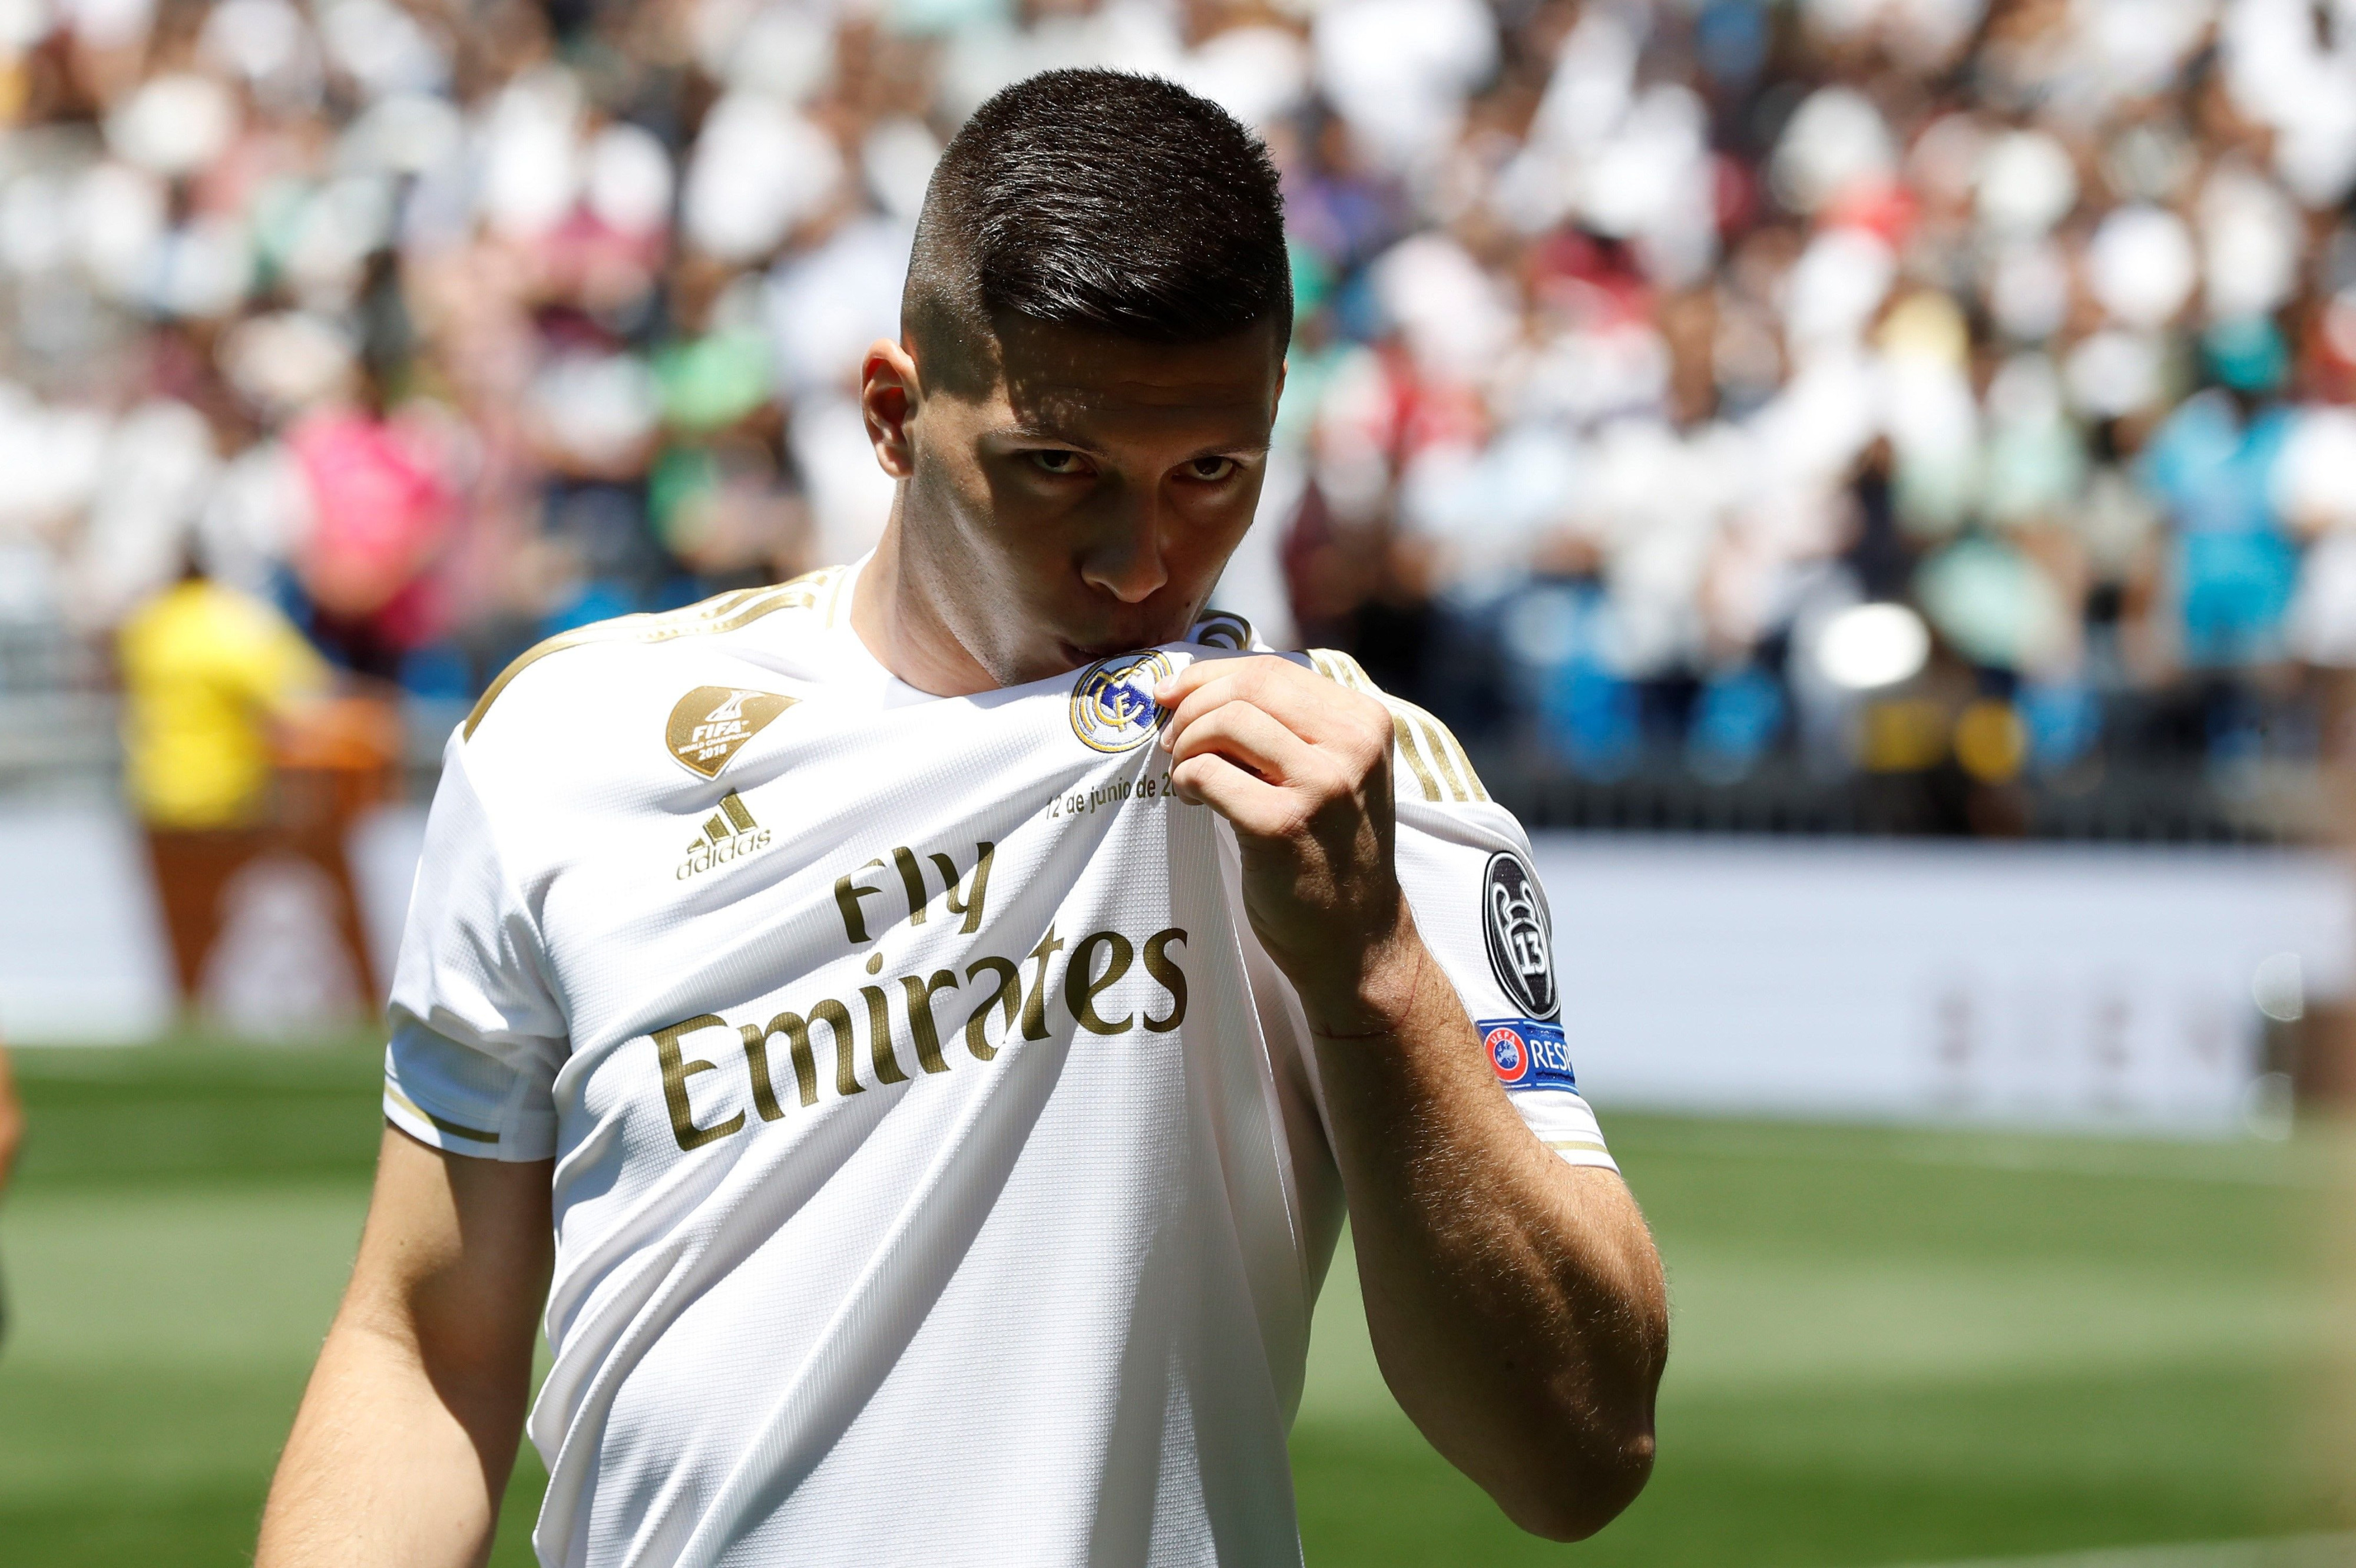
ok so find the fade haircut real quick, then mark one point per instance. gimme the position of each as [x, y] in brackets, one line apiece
[1103, 200]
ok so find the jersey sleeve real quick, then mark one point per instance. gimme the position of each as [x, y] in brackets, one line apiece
[1464, 864]
[477, 1032]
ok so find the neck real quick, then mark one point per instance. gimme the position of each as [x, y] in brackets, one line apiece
[901, 625]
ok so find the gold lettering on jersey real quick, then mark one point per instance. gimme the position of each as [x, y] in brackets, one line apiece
[1097, 972]
[961, 896]
[879, 1036]
[1034, 1011]
[757, 1038]
[676, 1070]
[1082, 984]
[967, 901]
[711, 724]
[919, 992]
[1007, 998]
[847, 892]
[1164, 969]
[837, 1018]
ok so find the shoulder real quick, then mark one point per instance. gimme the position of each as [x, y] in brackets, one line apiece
[627, 646]
[1432, 764]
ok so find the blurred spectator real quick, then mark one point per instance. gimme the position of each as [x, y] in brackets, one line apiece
[257, 899]
[207, 671]
[1639, 344]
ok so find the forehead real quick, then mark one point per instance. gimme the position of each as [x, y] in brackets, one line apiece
[1054, 375]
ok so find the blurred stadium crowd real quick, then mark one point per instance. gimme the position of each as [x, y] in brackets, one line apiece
[1875, 384]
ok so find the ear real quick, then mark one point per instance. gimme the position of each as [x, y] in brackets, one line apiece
[888, 395]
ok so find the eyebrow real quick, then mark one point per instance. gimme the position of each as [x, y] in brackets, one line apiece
[1029, 430]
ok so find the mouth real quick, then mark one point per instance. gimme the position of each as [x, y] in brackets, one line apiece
[1076, 655]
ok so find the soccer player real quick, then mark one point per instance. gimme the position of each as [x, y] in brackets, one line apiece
[943, 1007]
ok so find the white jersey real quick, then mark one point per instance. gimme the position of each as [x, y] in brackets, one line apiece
[940, 1174]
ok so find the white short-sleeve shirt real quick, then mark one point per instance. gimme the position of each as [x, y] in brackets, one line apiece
[940, 1169]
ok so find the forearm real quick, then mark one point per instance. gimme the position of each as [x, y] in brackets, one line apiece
[400, 1452]
[386, 1468]
[1514, 1301]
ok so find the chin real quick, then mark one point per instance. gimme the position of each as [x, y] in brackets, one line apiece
[1073, 654]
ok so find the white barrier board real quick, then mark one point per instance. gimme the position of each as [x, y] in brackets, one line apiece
[82, 951]
[2085, 986]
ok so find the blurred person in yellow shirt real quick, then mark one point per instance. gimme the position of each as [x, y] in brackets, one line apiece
[207, 673]
[222, 697]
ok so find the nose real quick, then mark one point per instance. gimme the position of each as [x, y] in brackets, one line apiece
[1125, 560]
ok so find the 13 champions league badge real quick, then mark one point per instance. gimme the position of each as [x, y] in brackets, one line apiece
[1520, 936]
[1112, 701]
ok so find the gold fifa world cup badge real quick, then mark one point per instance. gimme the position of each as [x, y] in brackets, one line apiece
[711, 724]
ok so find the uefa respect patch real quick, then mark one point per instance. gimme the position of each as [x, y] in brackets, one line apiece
[1526, 1053]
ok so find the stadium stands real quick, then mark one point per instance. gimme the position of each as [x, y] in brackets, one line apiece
[1722, 410]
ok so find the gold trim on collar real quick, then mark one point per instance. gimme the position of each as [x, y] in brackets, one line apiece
[724, 612]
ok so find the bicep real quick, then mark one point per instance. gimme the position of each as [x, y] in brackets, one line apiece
[453, 1261]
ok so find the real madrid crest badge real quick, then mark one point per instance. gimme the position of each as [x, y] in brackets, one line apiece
[1112, 700]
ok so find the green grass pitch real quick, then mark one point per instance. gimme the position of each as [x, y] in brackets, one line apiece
[1890, 1346]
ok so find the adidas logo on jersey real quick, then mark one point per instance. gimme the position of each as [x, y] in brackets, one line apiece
[729, 835]
[711, 724]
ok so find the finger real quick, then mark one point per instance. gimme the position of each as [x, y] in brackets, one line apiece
[1244, 734]
[1205, 666]
[1302, 700]
[1251, 668]
[1256, 807]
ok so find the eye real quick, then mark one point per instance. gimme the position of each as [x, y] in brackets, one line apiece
[1211, 470]
[1058, 462]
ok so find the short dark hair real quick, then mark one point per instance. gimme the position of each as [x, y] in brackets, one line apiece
[1100, 199]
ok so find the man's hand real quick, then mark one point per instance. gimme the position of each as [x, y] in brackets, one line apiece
[1302, 767]
[1514, 1302]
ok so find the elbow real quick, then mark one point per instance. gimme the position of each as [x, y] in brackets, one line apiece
[1572, 1495]
[1594, 1445]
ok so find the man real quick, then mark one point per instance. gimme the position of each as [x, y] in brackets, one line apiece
[948, 1002]
[214, 683]
[207, 673]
